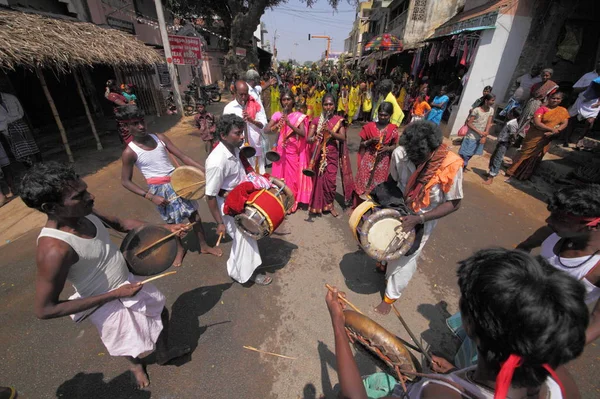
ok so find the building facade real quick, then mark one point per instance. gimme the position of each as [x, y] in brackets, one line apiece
[353, 45]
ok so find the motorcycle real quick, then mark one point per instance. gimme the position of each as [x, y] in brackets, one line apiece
[211, 92]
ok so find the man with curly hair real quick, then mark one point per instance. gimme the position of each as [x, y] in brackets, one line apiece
[430, 176]
[571, 242]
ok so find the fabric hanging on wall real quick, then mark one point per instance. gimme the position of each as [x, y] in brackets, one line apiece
[571, 44]
[433, 53]
[463, 59]
[455, 45]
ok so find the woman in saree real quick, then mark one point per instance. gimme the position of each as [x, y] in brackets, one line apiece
[548, 122]
[291, 145]
[540, 92]
[328, 133]
[377, 142]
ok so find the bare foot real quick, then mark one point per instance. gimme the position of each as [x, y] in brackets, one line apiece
[181, 251]
[441, 365]
[334, 213]
[205, 249]
[488, 181]
[172, 354]
[141, 377]
[383, 308]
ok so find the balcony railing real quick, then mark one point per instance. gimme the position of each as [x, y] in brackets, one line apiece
[397, 25]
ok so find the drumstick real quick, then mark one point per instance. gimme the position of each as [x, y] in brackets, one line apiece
[268, 353]
[164, 238]
[412, 336]
[219, 239]
[188, 193]
[347, 302]
[157, 277]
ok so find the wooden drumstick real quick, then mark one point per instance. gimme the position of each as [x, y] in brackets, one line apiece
[165, 238]
[412, 336]
[347, 302]
[157, 277]
[219, 239]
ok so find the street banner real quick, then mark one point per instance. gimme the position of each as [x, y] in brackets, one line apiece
[185, 50]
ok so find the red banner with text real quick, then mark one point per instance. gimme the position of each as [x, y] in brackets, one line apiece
[185, 50]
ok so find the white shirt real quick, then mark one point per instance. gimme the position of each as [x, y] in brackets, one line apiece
[255, 92]
[224, 170]
[585, 80]
[524, 90]
[10, 110]
[584, 108]
[254, 133]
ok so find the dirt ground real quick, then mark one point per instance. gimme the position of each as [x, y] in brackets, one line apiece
[216, 317]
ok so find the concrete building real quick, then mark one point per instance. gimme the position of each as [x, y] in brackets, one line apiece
[513, 35]
[353, 45]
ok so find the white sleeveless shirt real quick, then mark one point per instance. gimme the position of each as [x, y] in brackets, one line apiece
[569, 266]
[154, 163]
[101, 266]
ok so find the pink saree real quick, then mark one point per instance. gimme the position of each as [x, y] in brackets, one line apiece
[294, 157]
[334, 156]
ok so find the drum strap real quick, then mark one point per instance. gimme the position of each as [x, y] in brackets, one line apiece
[172, 158]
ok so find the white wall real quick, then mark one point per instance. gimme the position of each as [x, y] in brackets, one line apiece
[496, 59]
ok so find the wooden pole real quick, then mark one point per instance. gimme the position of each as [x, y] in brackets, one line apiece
[87, 110]
[61, 128]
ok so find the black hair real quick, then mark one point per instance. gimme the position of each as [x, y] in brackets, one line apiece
[516, 112]
[45, 183]
[328, 95]
[488, 97]
[201, 101]
[289, 93]
[385, 86]
[488, 88]
[387, 107]
[514, 303]
[128, 112]
[420, 139]
[226, 123]
[560, 93]
[577, 200]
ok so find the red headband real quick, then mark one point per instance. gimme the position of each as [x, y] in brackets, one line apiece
[589, 221]
[504, 377]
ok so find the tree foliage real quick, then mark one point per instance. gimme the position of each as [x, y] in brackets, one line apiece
[239, 18]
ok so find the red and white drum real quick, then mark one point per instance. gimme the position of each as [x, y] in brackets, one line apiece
[265, 210]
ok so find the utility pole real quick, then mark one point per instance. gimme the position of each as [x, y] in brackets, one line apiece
[167, 47]
[328, 43]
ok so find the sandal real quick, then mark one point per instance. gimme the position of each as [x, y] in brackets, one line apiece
[262, 279]
[8, 393]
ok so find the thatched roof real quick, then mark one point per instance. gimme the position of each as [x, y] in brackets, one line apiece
[32, 39]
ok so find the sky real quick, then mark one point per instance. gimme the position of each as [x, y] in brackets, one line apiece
[294, 21]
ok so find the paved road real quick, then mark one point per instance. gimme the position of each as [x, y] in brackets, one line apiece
[57, 358]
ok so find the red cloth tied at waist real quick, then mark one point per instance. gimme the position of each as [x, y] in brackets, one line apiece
[236, 199]
[159, 180]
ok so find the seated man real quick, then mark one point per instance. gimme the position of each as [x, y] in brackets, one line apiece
[74, 245]
[523, 329]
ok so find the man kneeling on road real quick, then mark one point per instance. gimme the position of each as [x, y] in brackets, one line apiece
[74, 245]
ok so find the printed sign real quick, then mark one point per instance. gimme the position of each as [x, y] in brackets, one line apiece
[240, 52]
[185, 50]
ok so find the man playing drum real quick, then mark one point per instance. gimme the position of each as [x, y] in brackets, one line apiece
[74, 245]
[150, 153]
[224, 171]
[430, 176]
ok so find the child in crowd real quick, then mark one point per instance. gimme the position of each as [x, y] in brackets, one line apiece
[420, 108]
[128, 93]
[507, 135]
[206, 124]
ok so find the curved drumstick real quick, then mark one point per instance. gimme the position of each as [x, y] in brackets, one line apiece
[347, 302]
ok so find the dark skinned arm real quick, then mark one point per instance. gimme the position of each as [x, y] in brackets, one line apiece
[118, 224]
[340, 134]
[213, 207]
[536, 239]
[128, 159]
[593, 331]
[312, 130]
[178, 153]
[270, 126]
[299, 130]
[470, 121]
[537, 122]
[411, 221]
[54, 259]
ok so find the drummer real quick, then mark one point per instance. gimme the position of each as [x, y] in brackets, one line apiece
[150, 153]
[224, 171]
[430, 176]
[74, 245]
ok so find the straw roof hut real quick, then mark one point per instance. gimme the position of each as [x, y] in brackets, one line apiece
[36, 41]
[33, 40]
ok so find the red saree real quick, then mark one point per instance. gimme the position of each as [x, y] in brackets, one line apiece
[333, 156]
[374, 166]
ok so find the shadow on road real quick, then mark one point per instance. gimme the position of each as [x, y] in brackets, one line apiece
[85, 386]
[360, 275]
[185, 326]
[441, 340]
[276, 253]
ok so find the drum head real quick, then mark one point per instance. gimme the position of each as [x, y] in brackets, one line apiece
[252, 224]
[153, 261]
[188, 182]
[286, 196]
[356, 218]
[382, 238]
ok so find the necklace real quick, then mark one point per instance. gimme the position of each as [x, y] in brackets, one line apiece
[570, 244]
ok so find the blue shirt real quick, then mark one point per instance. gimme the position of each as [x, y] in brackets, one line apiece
[435, 115]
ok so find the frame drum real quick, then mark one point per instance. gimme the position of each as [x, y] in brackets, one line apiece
[379, 233]
[156, 259]
[188, 182]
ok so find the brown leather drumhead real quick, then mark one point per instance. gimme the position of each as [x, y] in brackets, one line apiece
[153, 261]
[188, 182]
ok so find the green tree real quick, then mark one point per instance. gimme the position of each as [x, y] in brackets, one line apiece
[240, 18]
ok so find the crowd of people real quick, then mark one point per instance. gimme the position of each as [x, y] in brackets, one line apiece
[522, 318]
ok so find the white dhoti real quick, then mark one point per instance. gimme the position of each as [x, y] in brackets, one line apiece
[400, 271]
[129, 326]
[244, 257]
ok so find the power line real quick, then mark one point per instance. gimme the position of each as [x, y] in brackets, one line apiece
[310, 10]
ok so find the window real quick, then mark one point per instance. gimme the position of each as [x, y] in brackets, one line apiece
[420, 10]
